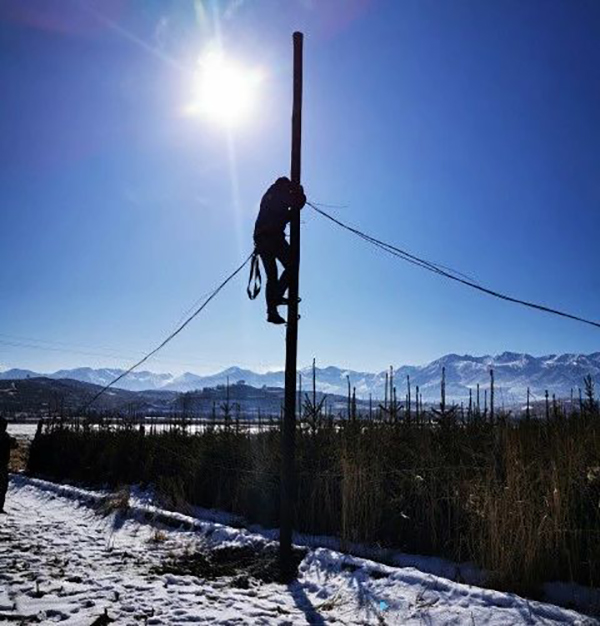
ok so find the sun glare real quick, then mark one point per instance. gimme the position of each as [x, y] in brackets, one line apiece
[224, 91]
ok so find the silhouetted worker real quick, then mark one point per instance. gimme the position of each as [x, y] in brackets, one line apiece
[7, 443]
[269, 238]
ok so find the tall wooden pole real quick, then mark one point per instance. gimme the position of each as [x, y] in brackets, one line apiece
[288, 431]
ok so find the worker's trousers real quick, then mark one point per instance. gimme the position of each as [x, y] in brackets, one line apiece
[273, 248]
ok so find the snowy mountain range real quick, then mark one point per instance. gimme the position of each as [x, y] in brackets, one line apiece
[513, 373]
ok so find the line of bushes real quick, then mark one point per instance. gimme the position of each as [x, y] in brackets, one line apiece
[521, 498]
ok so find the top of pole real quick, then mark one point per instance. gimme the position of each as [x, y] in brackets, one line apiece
[298, 39]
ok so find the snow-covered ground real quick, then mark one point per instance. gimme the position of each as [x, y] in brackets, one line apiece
[63, 560]
[25, 431]
[22, 430]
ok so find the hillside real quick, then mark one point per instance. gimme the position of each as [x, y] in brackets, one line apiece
[44, 396]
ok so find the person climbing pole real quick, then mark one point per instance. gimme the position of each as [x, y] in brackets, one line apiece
[271, 246]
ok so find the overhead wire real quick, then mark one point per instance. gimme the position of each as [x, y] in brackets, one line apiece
[170, 337]
[36, 346]
[189, 309]
[331, 206]
[438, 269]
[395, 251]
[126, 354]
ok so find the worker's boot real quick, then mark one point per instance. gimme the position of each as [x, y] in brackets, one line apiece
[285, 301]
[274, 317]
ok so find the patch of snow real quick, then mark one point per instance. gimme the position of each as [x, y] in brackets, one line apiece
[60, 560]
[22, 430]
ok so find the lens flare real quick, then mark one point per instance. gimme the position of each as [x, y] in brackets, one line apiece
[224, 91]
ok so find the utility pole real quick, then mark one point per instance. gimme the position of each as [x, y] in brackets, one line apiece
[288, 429]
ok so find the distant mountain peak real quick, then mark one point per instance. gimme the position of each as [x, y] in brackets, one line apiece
[514, 372]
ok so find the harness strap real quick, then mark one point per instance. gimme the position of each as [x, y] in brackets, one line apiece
[255, 278]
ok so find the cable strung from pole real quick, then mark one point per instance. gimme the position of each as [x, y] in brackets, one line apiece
[170, 337]
[403, 254]
[438, 269]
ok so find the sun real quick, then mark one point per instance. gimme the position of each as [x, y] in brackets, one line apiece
[224, 91]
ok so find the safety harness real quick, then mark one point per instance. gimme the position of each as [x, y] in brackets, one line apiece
[255, 278]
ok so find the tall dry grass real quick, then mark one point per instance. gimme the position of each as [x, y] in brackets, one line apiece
[521, 497]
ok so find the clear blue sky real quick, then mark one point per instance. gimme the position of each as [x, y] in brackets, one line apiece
[465, 131]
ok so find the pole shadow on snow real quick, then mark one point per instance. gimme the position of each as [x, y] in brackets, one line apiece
[304, 604]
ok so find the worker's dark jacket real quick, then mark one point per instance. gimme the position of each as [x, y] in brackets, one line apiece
[274, 211]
